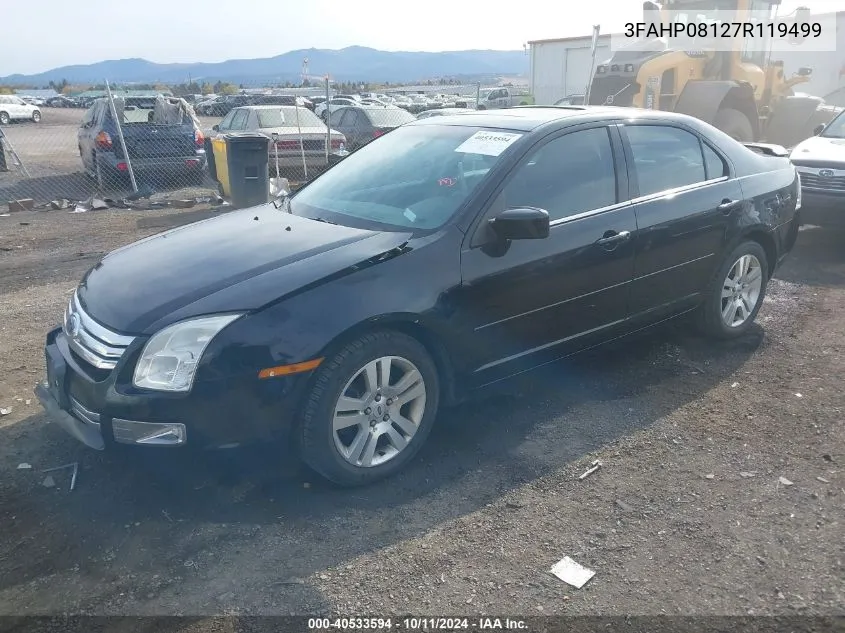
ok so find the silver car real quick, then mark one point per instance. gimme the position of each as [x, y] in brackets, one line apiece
[298, 132]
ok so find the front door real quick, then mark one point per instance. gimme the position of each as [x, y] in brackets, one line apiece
[528, 302]
[684, 202]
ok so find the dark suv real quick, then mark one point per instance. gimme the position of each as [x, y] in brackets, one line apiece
[157, 147]
[361, 124]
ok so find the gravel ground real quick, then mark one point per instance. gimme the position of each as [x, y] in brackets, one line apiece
[687, 515]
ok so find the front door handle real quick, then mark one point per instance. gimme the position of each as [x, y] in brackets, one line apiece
[727, 205]
[611, 238]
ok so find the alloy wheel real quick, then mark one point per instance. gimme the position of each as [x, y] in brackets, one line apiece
[379, 411]
[741, 290]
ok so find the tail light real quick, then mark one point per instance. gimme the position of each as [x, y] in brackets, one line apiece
[287, 145]
[103, 141]
[337, 142]
[122, 167]
[199, 139]
[378, 132]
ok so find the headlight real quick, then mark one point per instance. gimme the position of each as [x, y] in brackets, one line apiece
[169, 360]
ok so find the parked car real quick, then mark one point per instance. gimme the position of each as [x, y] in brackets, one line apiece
[362, 124]
[156, 149]
[36, 101]
[221, 106]
[568, 100]
[286, 122]
[431, 264]
[442, 112]
[820, 161]
[60, 101]
[14, 108]
[334, 102]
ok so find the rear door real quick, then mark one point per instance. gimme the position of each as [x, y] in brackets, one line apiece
[684, 200]
[527, 302]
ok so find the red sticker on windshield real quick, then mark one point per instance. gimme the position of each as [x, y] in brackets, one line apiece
[447, 182]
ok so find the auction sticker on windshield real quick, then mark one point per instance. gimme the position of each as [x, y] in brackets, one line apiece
[488, 143]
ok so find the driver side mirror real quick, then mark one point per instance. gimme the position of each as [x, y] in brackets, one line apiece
[522, 223]
[819, 129]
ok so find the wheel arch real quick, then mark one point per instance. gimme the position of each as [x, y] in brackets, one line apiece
[765, 239]
[410, 325]
[704, 99]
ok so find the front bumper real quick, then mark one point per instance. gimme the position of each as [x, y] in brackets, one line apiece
[823, 209]
[101, 408]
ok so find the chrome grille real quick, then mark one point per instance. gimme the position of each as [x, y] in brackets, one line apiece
[96, 344]
[814, 181]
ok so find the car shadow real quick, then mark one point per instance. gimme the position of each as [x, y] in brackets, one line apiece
[478, 451]
[816, 259]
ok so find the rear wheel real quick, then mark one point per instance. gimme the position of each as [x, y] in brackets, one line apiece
[736, 293]
[735, 124]
[370, 409]
[36, 117]
[107, 180]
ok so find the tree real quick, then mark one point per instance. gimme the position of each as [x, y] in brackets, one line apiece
[6, 90]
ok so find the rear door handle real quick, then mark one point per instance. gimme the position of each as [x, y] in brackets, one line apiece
[612, 237]
[727, 205]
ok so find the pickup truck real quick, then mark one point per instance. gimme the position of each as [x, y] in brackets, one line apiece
[162, 137]
[496, 98]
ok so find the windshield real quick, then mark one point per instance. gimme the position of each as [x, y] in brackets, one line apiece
[836, 128]
[286, 116]
[414, 177]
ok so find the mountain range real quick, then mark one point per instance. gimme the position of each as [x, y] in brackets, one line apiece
[354, 63]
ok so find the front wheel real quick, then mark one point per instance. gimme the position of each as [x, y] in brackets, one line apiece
[736, 293]
[735, 124]
[4, 118]
[36, 117]
[370, 410]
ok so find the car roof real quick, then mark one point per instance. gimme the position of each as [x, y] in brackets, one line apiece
[271, 106]
[528, 118]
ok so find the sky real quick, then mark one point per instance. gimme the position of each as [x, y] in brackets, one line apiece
[62, 34]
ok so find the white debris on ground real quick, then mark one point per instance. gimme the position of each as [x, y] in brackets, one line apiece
[571, 572]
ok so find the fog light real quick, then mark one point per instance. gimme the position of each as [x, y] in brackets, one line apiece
[149, 433]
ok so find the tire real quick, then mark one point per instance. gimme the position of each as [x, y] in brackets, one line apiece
[735, 124]
[711, 320]
[320, 446]
[481, 107]
[36, 117]
[5, 119]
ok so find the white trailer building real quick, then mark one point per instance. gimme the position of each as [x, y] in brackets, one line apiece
[561, 67]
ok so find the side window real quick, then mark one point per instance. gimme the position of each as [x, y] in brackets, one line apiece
[239, 120]
[227, 121]
[350, 117]
[568, 175]
[337, 115]
[665, 157]
[716, 167]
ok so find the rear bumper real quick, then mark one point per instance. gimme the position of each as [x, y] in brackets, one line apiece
[166, 165]
[290, 160]
[823, 209]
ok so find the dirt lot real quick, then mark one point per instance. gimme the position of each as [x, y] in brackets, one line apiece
[49, 153]
[686, 516]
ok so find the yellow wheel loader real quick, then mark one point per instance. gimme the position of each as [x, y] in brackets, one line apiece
[743, 92]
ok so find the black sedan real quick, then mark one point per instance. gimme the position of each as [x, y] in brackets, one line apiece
[444, 257]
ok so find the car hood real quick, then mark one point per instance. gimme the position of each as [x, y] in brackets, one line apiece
[819, 148]
[239, 261]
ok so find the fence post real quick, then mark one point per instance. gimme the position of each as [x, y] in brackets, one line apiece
[122, 140]
[328, 127]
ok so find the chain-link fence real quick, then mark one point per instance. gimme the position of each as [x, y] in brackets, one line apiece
[116, 144]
